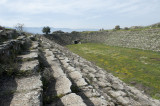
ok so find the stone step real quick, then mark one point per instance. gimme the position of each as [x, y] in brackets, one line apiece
[81, 87]
[63, 84]
[72, 100]
[29, 67]
[87, 92]
[21, 91]
[27, 56]
[35, 45]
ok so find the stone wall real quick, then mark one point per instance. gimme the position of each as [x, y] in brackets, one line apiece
[147, 39]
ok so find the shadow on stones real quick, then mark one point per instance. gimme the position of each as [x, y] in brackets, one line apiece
[8, 86]
[78, 91]
[50, 97]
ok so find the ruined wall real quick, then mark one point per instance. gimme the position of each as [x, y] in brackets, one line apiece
[77, 82]
[147, 39]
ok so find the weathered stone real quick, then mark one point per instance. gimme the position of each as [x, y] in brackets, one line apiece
[124, 101]
[94, 79]
[48, 53]
[51, 58]
[122, 93]
[72, 100]
[98, 101]
[34, 45]
[75, 75]
[102, 84]
[117, 86]
[32, 66]
[91, 69]
[29, 83]
[114, 93]
[106, 89]
[85, 70]
[81, 82]
[98, 75]
[28, 56]
[71, 69]
[63, 85]
[31, 98]
[65, 65]
[27, 91]
[91, 75]
[57, 72]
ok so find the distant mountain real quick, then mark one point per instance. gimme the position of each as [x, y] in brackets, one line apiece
[39, 29]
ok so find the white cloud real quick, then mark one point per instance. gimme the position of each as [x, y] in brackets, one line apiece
[69, 7]
[2, 2]
[77, 10]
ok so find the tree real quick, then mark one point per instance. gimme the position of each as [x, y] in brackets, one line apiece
[46, 30]
[126, 28]
[19, 27]
[117, 27]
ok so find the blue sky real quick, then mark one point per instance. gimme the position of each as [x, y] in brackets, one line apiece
[79, 13]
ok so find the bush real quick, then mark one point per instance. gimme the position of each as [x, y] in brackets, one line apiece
[58, 32]
[126, 28]
[117, 27]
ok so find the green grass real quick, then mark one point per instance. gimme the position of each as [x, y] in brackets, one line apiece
[141, 67]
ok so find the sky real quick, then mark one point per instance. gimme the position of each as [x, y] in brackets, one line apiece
[79, 13]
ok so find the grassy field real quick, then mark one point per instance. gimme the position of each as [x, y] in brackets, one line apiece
[140, 68]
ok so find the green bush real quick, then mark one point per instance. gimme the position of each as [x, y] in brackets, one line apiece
[117, 27]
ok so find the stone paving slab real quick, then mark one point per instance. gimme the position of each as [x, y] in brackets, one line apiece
[28, 83]
[32, 66]
[25, 91]
[35, 45]
[31, 98]
[72, 100]
[63, 85]
[28, 56]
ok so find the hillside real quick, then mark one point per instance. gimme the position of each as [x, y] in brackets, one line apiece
[36, 71]
[143, 38]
